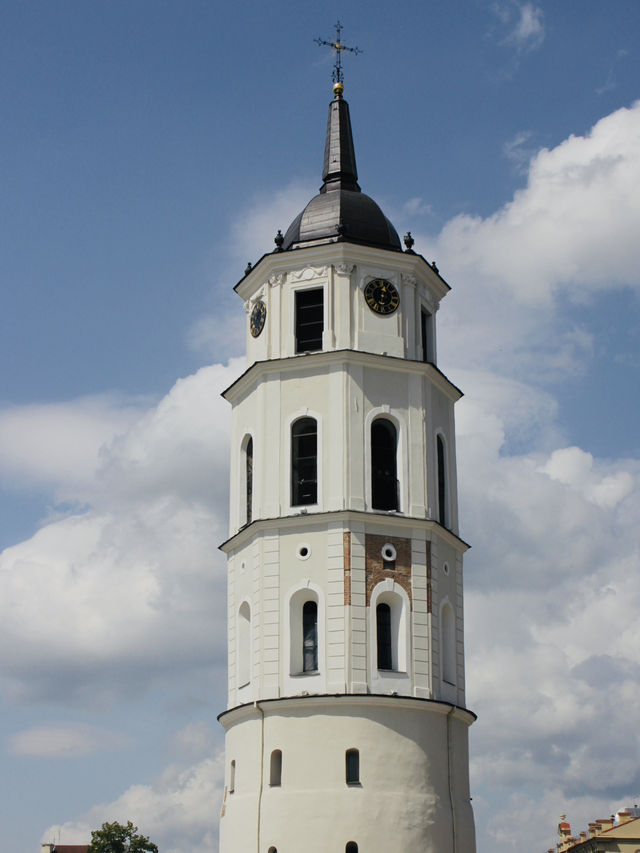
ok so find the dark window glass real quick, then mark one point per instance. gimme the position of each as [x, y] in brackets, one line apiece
[309, 320]
[304, 462]
[425, 328]
[442, 483]
[249, 478]
[384, 472]
[275, 770]
[310, 636]
[383, 634]
[352, 759]
[351, 847]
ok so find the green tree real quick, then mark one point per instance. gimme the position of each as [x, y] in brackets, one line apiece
[116, 838]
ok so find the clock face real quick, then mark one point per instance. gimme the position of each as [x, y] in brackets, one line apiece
[258, 316]
[381, 296]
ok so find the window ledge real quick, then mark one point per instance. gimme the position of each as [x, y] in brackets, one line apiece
[305, 674]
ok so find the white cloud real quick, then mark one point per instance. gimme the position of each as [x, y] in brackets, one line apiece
[118, 595]
[64, 741]
[58, 444]
[523, 23]
[179, 811]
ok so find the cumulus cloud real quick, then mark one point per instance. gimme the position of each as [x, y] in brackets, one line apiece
[58, 444]
[124, 591]
[178, 811]
[567, 238]
[65, 741]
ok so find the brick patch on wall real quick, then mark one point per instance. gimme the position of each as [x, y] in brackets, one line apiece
[376, 568]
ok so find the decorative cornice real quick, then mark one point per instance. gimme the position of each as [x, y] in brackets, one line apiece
[336, 701]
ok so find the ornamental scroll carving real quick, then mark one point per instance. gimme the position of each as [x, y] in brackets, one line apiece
[344, 269]
[409, 279]
[308, 273]
[276, 279]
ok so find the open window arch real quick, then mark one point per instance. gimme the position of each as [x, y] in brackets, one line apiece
[243, 645]
[448, 666]
[304, 459]
[386, 465]
[306, 633]
[275, 768]
[442, 480]
[351, 847]
[390, 629]
[246, 474]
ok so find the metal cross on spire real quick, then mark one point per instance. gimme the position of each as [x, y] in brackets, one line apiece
[338, 47]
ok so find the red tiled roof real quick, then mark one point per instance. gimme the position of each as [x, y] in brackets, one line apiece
[69, 848]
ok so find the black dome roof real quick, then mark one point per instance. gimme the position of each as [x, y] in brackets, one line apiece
[341, 211]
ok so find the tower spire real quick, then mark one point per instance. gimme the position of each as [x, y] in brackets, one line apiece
[339, 170]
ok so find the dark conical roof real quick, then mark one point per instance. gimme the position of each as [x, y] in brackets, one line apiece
[341, 211]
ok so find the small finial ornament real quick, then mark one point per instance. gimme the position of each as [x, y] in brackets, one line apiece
[434, 266]
[278, 240]
[409, 241]
[248, 268]
[337, 75]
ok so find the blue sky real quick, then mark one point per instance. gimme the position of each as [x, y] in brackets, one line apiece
[150, 149]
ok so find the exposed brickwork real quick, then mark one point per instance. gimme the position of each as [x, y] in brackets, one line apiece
[429, 595]
[346, 546]
[376, 568]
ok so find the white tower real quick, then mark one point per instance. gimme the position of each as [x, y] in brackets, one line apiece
[346, 728]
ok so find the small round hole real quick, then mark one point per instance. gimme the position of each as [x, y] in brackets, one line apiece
[388, 552]
[445, 568]
[303, 552]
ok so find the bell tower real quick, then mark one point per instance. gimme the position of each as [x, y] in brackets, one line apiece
[346, 727]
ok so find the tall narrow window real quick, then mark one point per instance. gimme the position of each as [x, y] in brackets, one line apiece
[384, 465]
[442, 483]
[304, 462]
[383, 636]
[426, 320]
[351, 847]
[244, 644]
[448, 643]
[275, 769]
[248, 472]
[309, 320]
[309, 636]
[352, 767]
[232, 777]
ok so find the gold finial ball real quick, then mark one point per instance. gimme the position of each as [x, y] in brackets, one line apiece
[338, 89]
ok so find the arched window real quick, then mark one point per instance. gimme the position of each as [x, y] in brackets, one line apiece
[232, 777]
[248, 479]
[310, 636]
[275, 768]
[272, 850]
[448, 643]
[384, 465]
[304, 462]
[244, 645]
[351, 847]
[383, 636]
[442, 483]
[352, 767]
